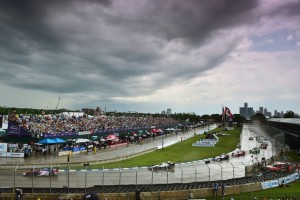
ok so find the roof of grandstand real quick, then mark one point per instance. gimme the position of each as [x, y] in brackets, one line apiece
[286, 120]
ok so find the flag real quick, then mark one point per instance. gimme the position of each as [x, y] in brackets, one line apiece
[228, 112]
[223, 114]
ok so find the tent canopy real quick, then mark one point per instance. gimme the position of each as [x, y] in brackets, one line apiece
[47, 141]
[59, 140]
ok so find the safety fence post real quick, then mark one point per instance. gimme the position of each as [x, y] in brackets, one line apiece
[195, 173]
[32, 178]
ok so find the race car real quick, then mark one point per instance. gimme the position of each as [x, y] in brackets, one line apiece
[163, 166]
[278, 166]
[264, 145]
[238, 153]
[46, 171]
[255, 150]
[221, 157]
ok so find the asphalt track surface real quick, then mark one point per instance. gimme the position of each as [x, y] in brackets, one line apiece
[196, 171]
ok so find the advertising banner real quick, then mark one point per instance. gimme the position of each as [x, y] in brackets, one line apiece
[3, 147]
[15, 155]
[275, 183]
[13, 128]
[2, 154]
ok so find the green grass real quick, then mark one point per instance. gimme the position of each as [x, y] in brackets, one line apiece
[180, 152]
[273, 193]
[294, 156]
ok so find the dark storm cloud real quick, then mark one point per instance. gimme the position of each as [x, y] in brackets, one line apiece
[194, 20]
[114, 47]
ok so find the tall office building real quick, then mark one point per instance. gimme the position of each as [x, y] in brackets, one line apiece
[246, 111]
[267, 113]
[169, 111]
[261, 110]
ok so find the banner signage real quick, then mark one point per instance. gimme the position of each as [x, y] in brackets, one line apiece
[2, 154]
[11, 155]
[214, 141]
[60, 134]
[13, 128]
[84, 133]
[3, 147]
[15, 155]
[13, 145]
[276, 183]
[203, 145]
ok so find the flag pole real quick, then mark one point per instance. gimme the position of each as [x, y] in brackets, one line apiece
[223, 116]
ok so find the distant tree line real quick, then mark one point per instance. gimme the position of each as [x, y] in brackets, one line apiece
[182, 117]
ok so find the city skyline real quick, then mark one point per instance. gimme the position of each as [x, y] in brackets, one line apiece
[169, 111]
[148, 56]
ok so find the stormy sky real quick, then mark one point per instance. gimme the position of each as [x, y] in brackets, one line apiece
[150, 55]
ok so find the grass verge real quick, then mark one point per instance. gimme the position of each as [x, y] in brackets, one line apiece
[180, 152]
[274, 193]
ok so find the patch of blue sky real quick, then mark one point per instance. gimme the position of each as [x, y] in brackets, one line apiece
[280, 40]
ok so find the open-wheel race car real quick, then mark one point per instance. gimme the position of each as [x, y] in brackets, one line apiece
[46, 171]
[279, 166]
[263, 145]
[163, 166]
[221, 157]
[255, 150]
[238, 153]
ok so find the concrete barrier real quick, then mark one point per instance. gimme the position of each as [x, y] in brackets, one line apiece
[161, 195]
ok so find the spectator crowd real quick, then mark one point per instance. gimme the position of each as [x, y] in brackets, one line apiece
[78, 122]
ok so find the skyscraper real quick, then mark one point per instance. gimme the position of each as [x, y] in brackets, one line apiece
[246, 111]
[169, 111]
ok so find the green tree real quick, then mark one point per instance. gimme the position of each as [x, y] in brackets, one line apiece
[289, 114]
[259, 117]
[216, 117]
[239, 119]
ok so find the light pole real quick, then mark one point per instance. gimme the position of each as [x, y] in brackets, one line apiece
[57, 104]
[14, 184]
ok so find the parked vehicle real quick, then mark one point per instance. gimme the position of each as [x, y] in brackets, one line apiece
[162, 166]
[46, 171]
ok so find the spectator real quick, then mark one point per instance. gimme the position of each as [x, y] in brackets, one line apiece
[215, 189]
[223, 190]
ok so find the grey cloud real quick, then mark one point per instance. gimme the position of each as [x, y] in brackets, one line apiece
[191, 20]
[97, 47]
